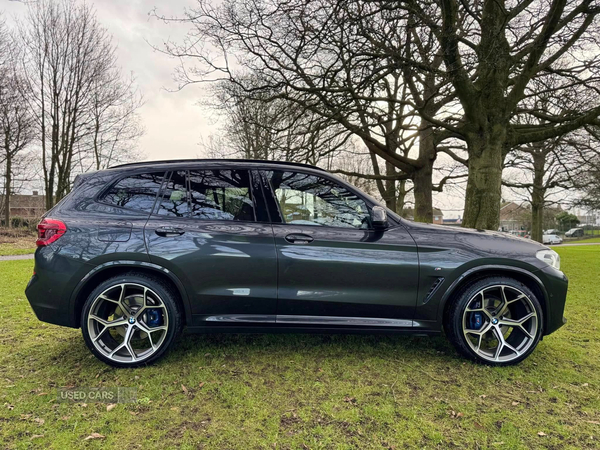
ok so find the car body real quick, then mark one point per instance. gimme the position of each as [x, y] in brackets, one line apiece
[575, 232]
[553, 231]
[256, 246]
[551, 239]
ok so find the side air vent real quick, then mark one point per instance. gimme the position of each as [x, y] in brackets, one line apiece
[434, 287]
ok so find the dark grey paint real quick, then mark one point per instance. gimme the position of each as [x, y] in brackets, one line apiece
[239, 276]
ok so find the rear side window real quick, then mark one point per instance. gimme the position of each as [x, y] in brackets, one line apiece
[137, 192]
[209, 195]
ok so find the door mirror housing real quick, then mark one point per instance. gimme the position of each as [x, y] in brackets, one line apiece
[379, 218]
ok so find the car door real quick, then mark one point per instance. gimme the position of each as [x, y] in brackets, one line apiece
[333, 267]
[205, 230]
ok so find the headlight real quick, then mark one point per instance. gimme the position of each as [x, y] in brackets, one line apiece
[549, 257]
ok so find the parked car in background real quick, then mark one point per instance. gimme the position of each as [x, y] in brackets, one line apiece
[553, 231]
[574, 232]
[551, 239]
[137, 253]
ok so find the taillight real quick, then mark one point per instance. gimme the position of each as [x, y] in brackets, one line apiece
[49, 230]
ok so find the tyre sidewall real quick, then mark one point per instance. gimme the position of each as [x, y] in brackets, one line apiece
[166, 295]
[462, 299]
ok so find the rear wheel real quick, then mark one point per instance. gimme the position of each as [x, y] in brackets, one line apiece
[131, 320]
[496, 321]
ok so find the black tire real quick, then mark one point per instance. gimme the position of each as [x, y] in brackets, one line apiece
[168, 297]
[453, 322]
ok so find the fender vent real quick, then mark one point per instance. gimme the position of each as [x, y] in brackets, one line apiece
[434, 287]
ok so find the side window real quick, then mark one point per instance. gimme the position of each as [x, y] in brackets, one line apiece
[221, 195]
[175, 197]
[306, 199]
[135, 192]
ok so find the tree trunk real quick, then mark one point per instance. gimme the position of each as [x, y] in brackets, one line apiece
[422, 180]
[400, 198]
[537, 197]
[390, 188]
[423, 175]
[484, 182]
[7, 187]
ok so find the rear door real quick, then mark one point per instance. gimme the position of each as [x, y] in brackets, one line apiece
[334, 268]
[205, 230]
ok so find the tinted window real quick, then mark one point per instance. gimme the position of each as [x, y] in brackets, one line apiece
[306, 199]
[175, 196]
[221, 195]
[135, 192]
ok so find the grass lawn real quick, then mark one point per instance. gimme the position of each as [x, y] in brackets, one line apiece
[298, 391]
[587, 241]
[16, 242]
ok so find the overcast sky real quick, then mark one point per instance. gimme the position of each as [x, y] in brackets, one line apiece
[174, 123]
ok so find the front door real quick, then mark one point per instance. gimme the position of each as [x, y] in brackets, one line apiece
[334, 268]
[205, 230]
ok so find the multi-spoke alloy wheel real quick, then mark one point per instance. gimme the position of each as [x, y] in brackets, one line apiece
[497, 320]
[129, 323]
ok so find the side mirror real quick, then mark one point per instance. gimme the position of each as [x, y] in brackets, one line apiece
[379, 217]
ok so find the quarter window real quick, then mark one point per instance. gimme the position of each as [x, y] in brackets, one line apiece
[135, 192]
[306, 199]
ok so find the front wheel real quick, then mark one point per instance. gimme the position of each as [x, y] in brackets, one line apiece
[131, 320]
[496, 321]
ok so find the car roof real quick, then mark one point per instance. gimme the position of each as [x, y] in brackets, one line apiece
[255, 163]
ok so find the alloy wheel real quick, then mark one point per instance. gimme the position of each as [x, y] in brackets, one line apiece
[128, 323]
[500, 323]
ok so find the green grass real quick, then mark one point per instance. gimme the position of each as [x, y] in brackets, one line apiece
[588, 241]
[11, 249]
[299, 391]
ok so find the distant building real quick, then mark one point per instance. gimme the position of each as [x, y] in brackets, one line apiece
[453, 222]
[26, 206]
[438, 215]
[591, 218]
[514, 217]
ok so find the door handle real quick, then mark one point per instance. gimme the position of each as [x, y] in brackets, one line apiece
[299, 238]
[169, 231]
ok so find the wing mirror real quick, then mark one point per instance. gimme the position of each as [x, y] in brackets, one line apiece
[379, 217]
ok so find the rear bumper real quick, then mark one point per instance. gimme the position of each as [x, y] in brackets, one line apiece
[49, 289]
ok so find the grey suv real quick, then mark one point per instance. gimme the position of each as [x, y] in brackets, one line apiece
[139, 252]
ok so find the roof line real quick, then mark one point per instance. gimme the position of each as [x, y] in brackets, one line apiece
[179, 161]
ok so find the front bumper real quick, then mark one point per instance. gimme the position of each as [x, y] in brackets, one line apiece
[556, 285]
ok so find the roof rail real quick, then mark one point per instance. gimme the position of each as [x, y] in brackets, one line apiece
[179, 161]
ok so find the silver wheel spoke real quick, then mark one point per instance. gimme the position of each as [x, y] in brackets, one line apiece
[502, 300]
[131, 303]
[109, 323]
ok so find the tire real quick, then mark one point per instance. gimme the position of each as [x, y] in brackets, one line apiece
[497, 304]
[131, 320]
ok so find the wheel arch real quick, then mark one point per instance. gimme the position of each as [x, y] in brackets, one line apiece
[522, 275]
[113, 268]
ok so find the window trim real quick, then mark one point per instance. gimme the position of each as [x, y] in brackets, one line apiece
[349, 188]
[98, 198]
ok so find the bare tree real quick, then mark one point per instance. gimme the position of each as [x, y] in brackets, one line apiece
[495, 54]
[549, 172]
[16, 121]
[257, 127]
[71, 68]
[114, 123]
[318, 55]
